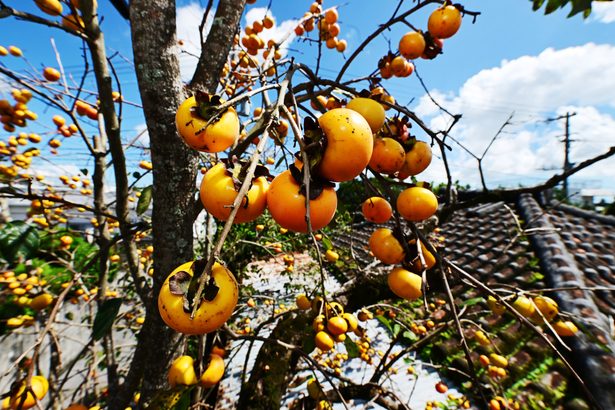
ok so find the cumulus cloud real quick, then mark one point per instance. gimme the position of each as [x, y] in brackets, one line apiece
[189, 19]
[535, 88]
[603, 12]
[141, 134]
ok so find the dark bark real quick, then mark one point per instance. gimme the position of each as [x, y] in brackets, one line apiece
[274, 364]
[271, 373]
[157, 67]
[364, 290]
[122, 7]
[215, 50]
[111, 132]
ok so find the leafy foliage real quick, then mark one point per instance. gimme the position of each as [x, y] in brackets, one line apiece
[577, 6]
[18, 239]
[105, 317]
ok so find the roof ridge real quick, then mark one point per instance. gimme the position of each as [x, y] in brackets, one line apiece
[584, 213]
[561, 270]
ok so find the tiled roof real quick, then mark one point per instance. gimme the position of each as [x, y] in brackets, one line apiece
[556, 247]
[574, 247]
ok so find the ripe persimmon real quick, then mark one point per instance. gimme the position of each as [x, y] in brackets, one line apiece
[331, 16]
[388, 156]
[428, 257]
[441, 387]
[218, 193]
[286, 204]
[51, 74]
[416, 160]
[412, 45]
[547, 307]
[38, 385]
[331, 42]
[386, 247]
[417, 204]
[370, 109]
[405, 284]
[324, 341]
[214, 371]
[337, 325]
[349, 144]
[77, 406]
[211, 314]
[303, 302]
[444, 22]
[182, 372]
[50, 7]
[398, 66]
[334, 30]
[377, 209]
[565, 328]
[268, 22]
[202, 128]
[524, 305]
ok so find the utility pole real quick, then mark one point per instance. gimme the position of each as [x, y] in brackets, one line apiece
[567, 164]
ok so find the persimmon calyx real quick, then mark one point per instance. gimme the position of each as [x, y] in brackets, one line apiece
[208, 107]
[186, 285]
[317, 185]
[238, 170]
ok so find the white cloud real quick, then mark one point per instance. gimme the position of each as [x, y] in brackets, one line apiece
[141, 134]
[284, 31]
[603, 12]
[188, 22]
[577, 79]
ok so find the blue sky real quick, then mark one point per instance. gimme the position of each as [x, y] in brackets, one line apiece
[490, 68]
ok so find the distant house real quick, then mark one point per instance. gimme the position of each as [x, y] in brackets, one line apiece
[16, 209]
[592, 197]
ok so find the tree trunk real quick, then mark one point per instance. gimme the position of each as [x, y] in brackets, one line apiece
[272, 369]
[174, 173]
[215, 51]
[153, 25]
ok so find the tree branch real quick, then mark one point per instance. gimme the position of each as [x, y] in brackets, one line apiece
[512, 194]
[122, 7]
[215, 50]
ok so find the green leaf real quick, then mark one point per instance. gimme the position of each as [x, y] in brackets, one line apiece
[105, 317]
[308, 344]
[537, 4]
[169, 399]
[396, 329]
[184, 401]
[579, 6]
[351, 348]
[18, 239]
[552, 5]
[386, 322]
[409, 336]
[327, 242]
[472, 302]
[144, 200]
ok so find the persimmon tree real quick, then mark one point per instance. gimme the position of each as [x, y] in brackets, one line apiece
[312, 132]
